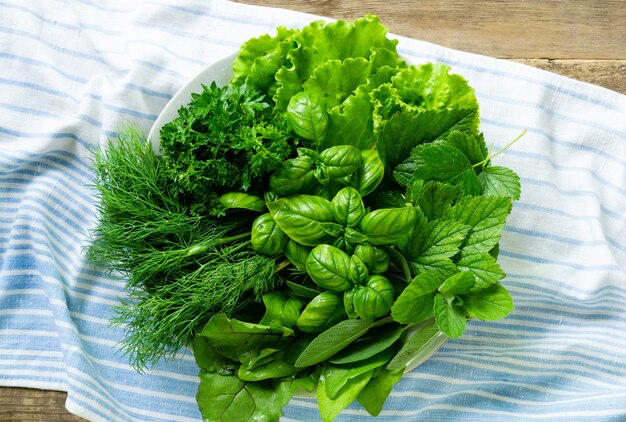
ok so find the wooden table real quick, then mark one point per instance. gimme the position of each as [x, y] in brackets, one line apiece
[582, 39]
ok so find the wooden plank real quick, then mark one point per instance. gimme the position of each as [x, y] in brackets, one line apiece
[609, 74]
[26, 404]
[557, 29]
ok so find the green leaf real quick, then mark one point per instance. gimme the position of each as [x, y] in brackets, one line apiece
[205, 356]
[281, 308]
[351, 123]
[435, 198]
[241, 200]
[348, 207]
[472, 146]
[369, 175]
[376, 340]
[307, 116]
[358, 271]
[491, 303]
[484, 267]
[445, 163]
[226, 398]
[323, 311]
[404, 131]
[375, 393]
[267, 238]
[388, 225]
[486, 215]
[329, 267]
[276, 368]
[297, 254]
[294, 176]
[331, 408]
[500, 181]
[301, 216]
[337, 162]
[232, 337]
[458, 284]
[337, 376]
[417, 346]
[415, 303]
[374, 299]
[449, 317]
[333, 340]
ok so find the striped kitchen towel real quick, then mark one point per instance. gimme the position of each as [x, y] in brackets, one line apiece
[73, 72]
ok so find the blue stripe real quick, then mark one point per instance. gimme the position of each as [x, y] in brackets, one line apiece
[62, 50]
[35, 112]
[580, 267]
[34, 62]
[59, 135]
[148, 91]
[189, 35]
[564, 290]
[561, 239]
[73, 162]
[37, 87]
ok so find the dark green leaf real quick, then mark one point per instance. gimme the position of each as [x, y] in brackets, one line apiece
[281, 308]
[332, 341]
[436, 198]
[373, 396]
[267, 238]
[294, 176]
[377, 340]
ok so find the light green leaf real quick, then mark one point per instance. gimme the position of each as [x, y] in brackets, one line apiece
[267, 238]
[449, 317]
[491, 303]
[458, 284]
[281, 308]
[322, 311]
[435, 198]
[374, 299]
[388, 225]
[329, 268]
[348, 207]
[358, 271]
[486, 215]
[484, 267]
[472, 146]
[301, 217]
[415, 303]
[375, 393]
[307, 116]
[500, 181]
[331, 408]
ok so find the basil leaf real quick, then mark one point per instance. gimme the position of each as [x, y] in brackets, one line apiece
[388, 225]
[307, 116]
[297, 254]
[267, 238]
[301, 218]
[241, 200]
[323, 311]
[294, 176]
[348, 207]
[281, 308]
[374, 299]
[329, 267]
[339, 161]
[358, 271]
[333, 340]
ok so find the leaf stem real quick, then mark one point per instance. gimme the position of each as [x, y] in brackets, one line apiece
[284, 264]
[229, 239]
[490, 157]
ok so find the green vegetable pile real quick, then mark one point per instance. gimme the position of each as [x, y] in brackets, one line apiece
[315, 225]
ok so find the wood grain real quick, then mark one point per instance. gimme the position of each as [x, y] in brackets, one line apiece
[583, 39]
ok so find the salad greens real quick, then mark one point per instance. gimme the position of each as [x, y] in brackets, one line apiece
[317, 224]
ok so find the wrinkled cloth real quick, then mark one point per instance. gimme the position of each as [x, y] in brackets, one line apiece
[72, 73]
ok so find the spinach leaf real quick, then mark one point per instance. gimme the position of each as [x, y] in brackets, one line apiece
[330, 408]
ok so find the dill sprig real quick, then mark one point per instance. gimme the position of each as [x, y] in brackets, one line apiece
[180, 268]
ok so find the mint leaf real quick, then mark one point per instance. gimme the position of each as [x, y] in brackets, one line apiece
[472, 146]
[500, 181]
[436, 198]
[415, 303]
[484, 267]
[491, 303]
[486, 215]
[449, 317]
[445, 163]
[458, 284]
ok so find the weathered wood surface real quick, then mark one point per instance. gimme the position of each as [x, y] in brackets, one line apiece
[584, 40]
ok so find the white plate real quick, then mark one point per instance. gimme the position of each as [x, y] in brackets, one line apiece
[221, 72]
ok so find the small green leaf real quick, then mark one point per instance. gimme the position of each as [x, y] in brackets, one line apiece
[449, 317]
[436, 198]
[301, 217]
[323, 311]
[358, 271]
[388, 225]
[329, 267]
[472, 146]
[333, 340]
[307, 116]
[274, 369]
[500, 181]
[375, 393]
[415, 303]
[348, 207]
[484, 267]
[458, 284]
[374, 299]
[491, 303]
[294, 176]
[267, 238]
[241, 200]
[281, 308]
[297, 254]
[331, 408]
